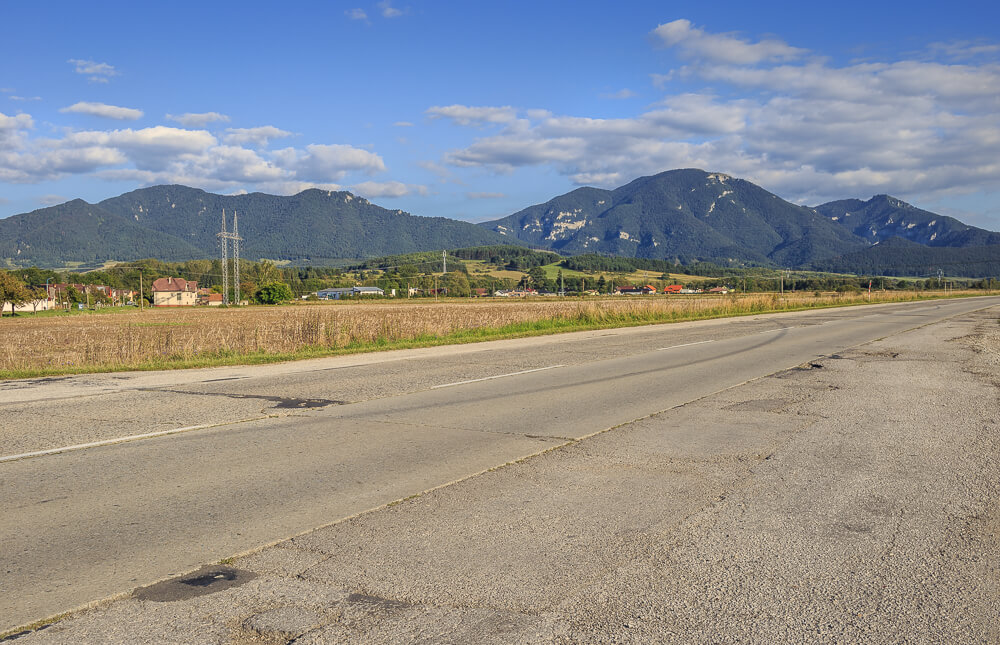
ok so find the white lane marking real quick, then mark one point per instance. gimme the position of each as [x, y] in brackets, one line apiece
[700, 342]
[490, 378]
[105, 442]
[768, 331]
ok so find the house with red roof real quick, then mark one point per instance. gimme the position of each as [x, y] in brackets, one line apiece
[174, 292]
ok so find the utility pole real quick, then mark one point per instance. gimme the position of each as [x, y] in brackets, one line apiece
[224, 239]
[224, 242]
[236, 257]
[444, 262]
[140, 291]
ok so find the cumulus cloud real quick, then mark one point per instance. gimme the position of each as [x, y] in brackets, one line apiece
[471, 115]
[96, 72]
[775, 114]
[356, 14]
[259, 136]
[14, 130]
[52, 200]
[104, 110]
[25, 98]
[375, 189]
[195, 157]
[723, 48]
[403, 124]
[197, 119]
[319, 162]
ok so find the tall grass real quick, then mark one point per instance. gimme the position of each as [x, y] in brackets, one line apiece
[158, 339]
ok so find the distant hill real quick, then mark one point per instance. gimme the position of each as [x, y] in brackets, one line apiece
[903, 257]
[80, 232]
[682, 215]
[883, 217]
[178, 223]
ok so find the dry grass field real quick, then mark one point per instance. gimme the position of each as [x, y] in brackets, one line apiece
[168, 338]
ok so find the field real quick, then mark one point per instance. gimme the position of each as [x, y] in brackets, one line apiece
[176, 338]
[480, 267]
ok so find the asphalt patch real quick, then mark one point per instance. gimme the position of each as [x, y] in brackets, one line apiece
[207, 580]
[281, 402]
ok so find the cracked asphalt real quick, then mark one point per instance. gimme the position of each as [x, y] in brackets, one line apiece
[853, 498]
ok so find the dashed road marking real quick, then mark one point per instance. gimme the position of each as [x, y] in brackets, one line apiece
[490, 378]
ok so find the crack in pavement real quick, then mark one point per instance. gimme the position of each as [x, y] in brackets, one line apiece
[281, 401]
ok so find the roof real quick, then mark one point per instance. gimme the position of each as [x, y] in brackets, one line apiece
[174, 284]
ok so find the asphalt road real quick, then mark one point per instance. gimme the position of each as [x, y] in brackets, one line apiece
[295, 446]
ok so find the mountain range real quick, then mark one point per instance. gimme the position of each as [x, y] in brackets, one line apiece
[679, 215]
[179, 223]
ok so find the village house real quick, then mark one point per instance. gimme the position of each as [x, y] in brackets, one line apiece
[208, 298]
[636, 291]
[174, 292]
[673, 288]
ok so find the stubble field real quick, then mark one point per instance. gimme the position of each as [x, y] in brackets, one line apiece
[191, 337]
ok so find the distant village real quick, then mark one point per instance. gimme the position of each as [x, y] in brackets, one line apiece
[178, 292]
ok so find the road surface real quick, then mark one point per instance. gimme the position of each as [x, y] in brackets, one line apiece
[247, 456]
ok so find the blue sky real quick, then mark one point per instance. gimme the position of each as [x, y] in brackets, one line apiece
[476, 110]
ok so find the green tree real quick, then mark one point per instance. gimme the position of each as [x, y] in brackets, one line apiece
[263, 272]
[457, 284]
[73, 295]
[273, 293]
[13, 291]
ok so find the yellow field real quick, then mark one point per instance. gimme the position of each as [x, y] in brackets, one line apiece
[162, 338]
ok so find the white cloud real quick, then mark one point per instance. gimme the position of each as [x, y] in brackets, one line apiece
[965, 49]
[325, 163]
[52, 200]
[388, 11]
[403, 124]
[260, 136]
[800, 126]
[471, 115]
[723, 48]
[14, 129]
[25, 98]
[356, 14]
[374, 189]
[197, 119]
[443, 172]
[97, 72]
[296, 187]
[193, 157]
[103, 110]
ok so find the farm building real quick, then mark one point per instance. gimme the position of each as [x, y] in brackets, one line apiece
[348, 292]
